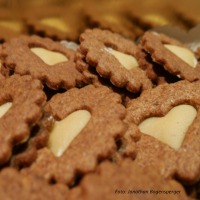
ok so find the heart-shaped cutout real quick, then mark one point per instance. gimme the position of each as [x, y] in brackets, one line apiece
[4, 108]
[171, 128]
[128, 61]
[49, 57]
[183, 53]
[66, 130]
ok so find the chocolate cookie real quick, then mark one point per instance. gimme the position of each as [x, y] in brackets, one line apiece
[154, 71]
[21, 99]
[173, 55]
[168, 120]
[126, 181]
[43, 59]
[112, 57]
[93, 120]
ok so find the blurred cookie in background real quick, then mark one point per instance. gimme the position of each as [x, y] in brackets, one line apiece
[11, 24]
[155, 16]
[188, 13]
[64, 23]
[110, 16]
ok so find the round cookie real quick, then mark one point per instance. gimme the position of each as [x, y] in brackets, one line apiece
[174, 56]
[43, 59]
[72, 151]
[167, 118]
[112, 57]
[21, 99]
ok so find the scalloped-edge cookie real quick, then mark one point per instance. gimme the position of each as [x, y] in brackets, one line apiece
[113, 57]
[21, 99]
[174, 56]
[126, 181]
[167, 118]
[154, 71]
[42, 58]
[97, 118]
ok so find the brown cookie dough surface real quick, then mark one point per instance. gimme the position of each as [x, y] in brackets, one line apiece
[14, 185]
[43, 59]
[173, 55]
[155, 72]
[113, 57]
[126, 181]
[21, 99]
[168, 119]
[72, 153]
[24, 154]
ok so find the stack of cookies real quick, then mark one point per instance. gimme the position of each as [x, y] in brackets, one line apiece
[108, 109]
